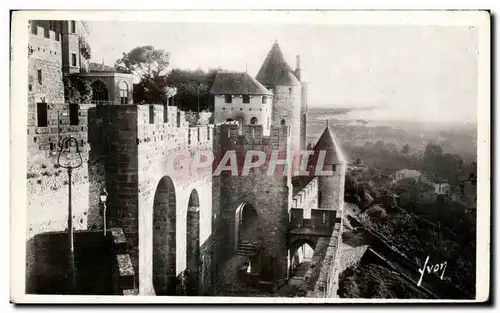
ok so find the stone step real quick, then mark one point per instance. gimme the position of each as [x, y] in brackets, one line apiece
[247, 247]
[131, 292]
[248, 243]
[244, 253]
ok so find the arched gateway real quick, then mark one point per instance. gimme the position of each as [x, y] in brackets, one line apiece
[164, 246]
[193, 245]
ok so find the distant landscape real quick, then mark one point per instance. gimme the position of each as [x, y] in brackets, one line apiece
[351, 131]
[439, 227]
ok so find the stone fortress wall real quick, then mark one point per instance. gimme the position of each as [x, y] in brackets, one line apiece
[126, 149]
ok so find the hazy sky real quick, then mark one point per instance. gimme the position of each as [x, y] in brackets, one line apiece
[407, 72]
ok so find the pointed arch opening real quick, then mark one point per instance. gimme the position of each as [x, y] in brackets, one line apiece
[164, 238]
[246, 224]
[100, 94]
[193, 264]
[300, 254]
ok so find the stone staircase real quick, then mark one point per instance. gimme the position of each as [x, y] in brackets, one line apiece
[247, 248]
[299, 273]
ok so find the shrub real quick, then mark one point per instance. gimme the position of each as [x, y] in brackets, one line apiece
[31, 175]
[376, 213]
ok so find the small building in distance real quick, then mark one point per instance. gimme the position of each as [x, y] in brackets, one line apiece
[109, 86]
[407, 173]
[442, 188]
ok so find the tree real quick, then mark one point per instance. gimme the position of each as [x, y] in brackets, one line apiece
[77, 90]
[193, 88]
[351, 184]
[406, 149]
[432, 157]
[358, 162]
[144, 62]
[388, 200]
[149, 66]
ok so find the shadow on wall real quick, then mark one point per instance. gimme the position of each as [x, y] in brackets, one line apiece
[96, 166]
[47, 268]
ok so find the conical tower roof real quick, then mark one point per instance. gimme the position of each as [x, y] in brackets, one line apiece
[275, 70]
[329, 143]
[233, 83]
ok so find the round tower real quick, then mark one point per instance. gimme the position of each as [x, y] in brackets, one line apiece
[279, 77]
[330, 167]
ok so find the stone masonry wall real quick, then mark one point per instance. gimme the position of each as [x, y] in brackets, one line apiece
[303, 116]
[159, 140]
[47, 183]
[270, 195]
[331, 189]
[287, 106]
[307, 198]
[328, 280]
[45, 57]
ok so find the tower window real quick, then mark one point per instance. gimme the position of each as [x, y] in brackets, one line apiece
[246, 99]
[264, 99]
[39, 74]
[253, 120]
[41, 112]
[73, 59]
[165, 114]
[290, 90]
[123, 92]
[228, 98]
[34, 28]
[73, 27]
[283, 122]
[151, 114]
[73, 114]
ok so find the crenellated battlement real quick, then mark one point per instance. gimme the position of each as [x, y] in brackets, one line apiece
[62, 120]
[233, 136]
[168, 125]
[157, 114]
[45, 44]
[45, 33]
[306, 195]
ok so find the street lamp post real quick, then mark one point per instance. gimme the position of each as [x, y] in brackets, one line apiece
[198, 93]
[103, 197]
[66, 146]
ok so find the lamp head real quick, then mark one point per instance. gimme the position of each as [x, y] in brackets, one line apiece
[103, 196]
[69, 156]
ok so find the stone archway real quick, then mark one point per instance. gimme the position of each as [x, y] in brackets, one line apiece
[300, 252]
[245, 223]
[193, 245]
[100, 94]
[164, 238]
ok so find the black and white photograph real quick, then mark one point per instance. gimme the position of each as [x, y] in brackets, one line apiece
[250, 156]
